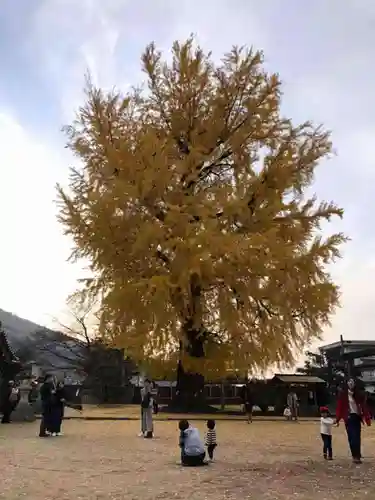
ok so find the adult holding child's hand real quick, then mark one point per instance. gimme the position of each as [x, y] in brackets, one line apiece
[352, 409]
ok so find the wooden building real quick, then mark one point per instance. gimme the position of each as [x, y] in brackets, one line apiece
[269, 396]
[311, 392]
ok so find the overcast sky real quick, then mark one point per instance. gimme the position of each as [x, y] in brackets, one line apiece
[323, 50]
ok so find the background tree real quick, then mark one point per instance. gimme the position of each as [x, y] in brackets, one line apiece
[316, 365]
[78, 346]
[74, 338]
[192, 206]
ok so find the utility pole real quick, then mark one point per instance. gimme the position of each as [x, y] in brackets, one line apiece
[347, 362]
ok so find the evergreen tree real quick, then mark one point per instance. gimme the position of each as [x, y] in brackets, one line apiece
[316, 365]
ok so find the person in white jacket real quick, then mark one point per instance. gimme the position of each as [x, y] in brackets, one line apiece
[191, 444]
[326, 424]
[287, 413]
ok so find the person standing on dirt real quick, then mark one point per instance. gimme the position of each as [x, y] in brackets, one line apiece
[47, 396]
[10, 400]
[248, 402]
[352, 409]
[147, 405]
[32, 396]
[292, 402]
[57, 410]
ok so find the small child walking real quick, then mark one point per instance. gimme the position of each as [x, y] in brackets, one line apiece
[326, 424]
[211, 441]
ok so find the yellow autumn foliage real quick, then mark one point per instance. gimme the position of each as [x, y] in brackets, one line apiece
[190, 201]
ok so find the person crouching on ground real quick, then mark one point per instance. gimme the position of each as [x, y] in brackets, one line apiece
[211, 440]
[191, 444]
[326, 424]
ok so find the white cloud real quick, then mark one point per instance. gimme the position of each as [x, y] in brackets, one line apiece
[34, 275]
[329, 77]
[70, 38]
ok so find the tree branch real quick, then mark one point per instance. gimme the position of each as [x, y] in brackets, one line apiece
[79, 362]
[162, 257]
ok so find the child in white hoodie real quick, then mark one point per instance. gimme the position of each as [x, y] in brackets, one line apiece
[326, 424]
[288, 413]
[191, 444]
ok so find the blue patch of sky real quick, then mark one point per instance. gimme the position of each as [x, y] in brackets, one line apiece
[23, 92]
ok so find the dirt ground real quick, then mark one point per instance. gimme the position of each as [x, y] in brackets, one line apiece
[106, 460]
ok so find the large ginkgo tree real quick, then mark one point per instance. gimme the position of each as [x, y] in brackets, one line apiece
[191, 202]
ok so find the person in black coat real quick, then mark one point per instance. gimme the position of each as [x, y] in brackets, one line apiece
[247, 399]
[58, 409]
[47, 395]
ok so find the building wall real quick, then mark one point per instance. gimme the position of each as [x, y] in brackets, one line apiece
[67, 374]
[368, 375]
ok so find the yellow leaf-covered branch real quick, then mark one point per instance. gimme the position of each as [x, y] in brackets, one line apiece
[191, 207]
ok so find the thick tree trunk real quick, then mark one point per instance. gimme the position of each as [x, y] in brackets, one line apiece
[190, 386]
[189, 391]
[190, 395]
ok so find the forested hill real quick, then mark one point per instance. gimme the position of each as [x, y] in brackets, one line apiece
[19, 331]
[48, 347]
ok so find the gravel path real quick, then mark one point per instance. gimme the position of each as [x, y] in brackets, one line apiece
[106, 460]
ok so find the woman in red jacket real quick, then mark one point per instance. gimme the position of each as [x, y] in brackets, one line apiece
[352, 408]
